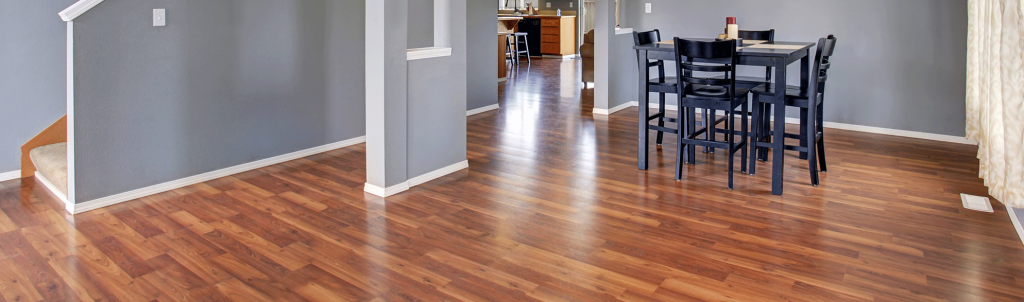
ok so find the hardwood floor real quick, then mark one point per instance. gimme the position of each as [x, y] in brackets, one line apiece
[552, 208]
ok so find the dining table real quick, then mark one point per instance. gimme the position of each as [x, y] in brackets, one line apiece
[751, 53]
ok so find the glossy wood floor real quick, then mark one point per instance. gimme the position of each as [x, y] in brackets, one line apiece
[552, 208]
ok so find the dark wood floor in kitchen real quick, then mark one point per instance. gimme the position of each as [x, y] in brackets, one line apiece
[552, 208]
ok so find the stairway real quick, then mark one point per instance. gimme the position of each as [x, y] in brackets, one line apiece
[51, 162]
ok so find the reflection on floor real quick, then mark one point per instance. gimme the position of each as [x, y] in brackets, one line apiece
[552, 208]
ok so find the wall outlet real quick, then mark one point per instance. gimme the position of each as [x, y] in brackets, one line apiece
[159, 17]
[647, 7]
[570, 4]
[549, 4]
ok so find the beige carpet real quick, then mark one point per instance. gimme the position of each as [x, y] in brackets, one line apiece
[52, 162]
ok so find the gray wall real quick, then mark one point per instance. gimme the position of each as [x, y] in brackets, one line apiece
[898, 64]
[481, 54]
[437, 102]
[421, 23]
[226, 82]
[33, 69]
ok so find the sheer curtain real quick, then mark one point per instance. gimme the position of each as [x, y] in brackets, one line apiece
[995, 96]
[589, 8]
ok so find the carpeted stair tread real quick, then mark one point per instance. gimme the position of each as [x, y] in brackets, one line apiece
[51, 161]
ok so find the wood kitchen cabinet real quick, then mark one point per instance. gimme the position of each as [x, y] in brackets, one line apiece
[558, 35]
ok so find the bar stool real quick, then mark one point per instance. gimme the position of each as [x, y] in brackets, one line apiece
[520, 38]
[509, 52]
[709, 94]
[660, 85]
[811, 104]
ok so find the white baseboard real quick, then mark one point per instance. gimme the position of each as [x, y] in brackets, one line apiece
[385, 192]
[1016, 222]
[10, 175]
[55, 191]
[867, 129]
[415, 181]
[482, 109]
[191, 180]
[614, 109]
[572, 56]
[502, 79]
[418, 180]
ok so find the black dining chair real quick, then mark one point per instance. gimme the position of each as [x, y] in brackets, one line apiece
[748, 82]
[811, 104]
[660, 85]
[709, 94]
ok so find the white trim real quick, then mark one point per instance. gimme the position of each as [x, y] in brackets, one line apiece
[1016, 222]
[895, 132]
[432, 175]
[69, 14]
[70, 207]
[10, 175]
[600, 111]
[70, 110]
[428, 52]
[572, 56]
[623, 31]
[502, 79]
[859, 128]
[482, 109]
[386, 192]
[442, 23]
[191, 180]
[415, 181]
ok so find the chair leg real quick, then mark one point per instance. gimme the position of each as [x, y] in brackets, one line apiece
[803, 131]
[766, 113]
[661, 119]
[809, 141]
[511, 50]
[744, 136]
[681, 129]
[527, 41]
[709, 127]
[756, 127]
[821, 140]
[691, 114]
[730, 126]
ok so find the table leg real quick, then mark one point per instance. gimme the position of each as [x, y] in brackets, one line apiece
[641, 152]
[778, 139]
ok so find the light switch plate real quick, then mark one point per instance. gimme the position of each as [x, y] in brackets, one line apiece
[570, 4]
[159, 17]
[647, 8]
[549, 4]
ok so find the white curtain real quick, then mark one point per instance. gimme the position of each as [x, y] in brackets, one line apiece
[995, 95]
[589, 8]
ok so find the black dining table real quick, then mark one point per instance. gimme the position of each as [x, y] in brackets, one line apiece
[770, 54]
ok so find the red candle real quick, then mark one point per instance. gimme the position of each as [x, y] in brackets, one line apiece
[730, 20]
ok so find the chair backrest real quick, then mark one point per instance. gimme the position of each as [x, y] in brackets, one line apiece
[822, 62]
[647, 37]
[763, 35]
[706, 57]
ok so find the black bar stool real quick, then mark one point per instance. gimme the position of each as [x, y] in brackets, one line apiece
[660, 85]
[709, 94]
[811, 104]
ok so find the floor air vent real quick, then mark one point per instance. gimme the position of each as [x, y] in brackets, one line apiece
[976, 203]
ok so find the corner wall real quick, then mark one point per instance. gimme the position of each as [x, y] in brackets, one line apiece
[33, 70]
[224, 83]
[481, 54]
